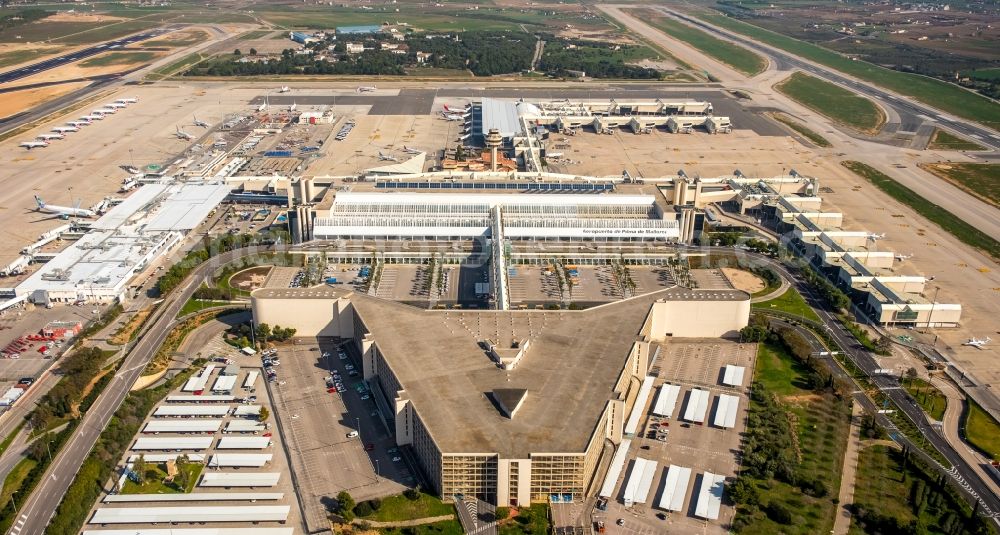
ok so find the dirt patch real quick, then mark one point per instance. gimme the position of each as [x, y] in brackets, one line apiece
[86, 390]
[68, 16]
[124, 335]
[250, 279]
[744, 280]
[18, 101]
[802, 399]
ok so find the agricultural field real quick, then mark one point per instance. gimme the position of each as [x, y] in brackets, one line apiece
[944, 140]
[980, 180]
[943, 95]
[735, 56]
[833, 101]
[948, 221]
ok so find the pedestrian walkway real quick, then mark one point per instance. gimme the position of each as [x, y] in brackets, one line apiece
[842, 522]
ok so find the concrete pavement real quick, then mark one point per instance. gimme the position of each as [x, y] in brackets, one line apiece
[842, 522]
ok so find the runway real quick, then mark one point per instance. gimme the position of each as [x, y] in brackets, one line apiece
[52, 63]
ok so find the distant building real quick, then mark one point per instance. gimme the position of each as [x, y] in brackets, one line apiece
[355, 48]
[302, 38]
[356, 30]
[422, 57]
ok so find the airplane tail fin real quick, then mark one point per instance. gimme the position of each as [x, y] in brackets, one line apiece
[39, 202]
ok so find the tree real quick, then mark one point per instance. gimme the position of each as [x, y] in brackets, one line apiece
[911, 374]
[263, 332]
[884, 344]
[345, 505]
[39, 448]
[253, 51]
[501, 512]
[183, 477]
[412, 494]
[744, 492]
[237, 52]
[778, 512]
[139, 468]
[363, 509]
[263, 414]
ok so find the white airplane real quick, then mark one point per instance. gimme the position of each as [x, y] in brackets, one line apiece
[452, 116]
[382, 157]
[128, 100]
[104, 111]
[92, 117]
[50, 137]
[284, 89]
[977, 343]
[874, 237]
[262, 107]
[63, 212]
[183, 135]
[65, 129]
[366, 89]
[34, 144]
[78, 124]
[202, 124]
[463, 111]
[128, 184]
[464, 137]
[293, 107]
[901, 257]
[116, 105]
[553, 155]
[411, 151]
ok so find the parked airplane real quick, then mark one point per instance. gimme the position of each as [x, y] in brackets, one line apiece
[284, 89]
[34, 144]
[411, 151]
[104, 111]
[293, 106]
[64, 212]
[92, 117]
[202, 124]
[553, 155]
[65, 129]
[452, 116]
[874, 237]
[116, 105]
[78, 124]
[901, 257]
[386, 157]
[977, 343]
[183, 135]
[262, 107]
[129, 184]
[128, 100]
[451, 110]
[366, 89]
[50, 137]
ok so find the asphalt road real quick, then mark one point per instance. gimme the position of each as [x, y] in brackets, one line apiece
[912, 113]
[35, 68]
[36, 511]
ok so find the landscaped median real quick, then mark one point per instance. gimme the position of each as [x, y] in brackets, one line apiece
[737, 57]
[841, 105]
[948, 221]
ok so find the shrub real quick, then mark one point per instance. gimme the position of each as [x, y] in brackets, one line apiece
[412, 494]
[363, 509]
[779, 513]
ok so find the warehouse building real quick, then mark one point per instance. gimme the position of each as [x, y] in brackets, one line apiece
[507, 435]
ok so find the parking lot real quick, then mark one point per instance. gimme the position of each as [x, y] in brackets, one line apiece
[319, 425]
[249, 396]
[536, 286]
[701, 447]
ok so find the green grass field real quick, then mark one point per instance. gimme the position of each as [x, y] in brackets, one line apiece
[929, 398]
[812, 136]
[396, 508]
[833, 101]
[979, 179]
[15, 57]
[791, 302]
[981, 430]
[532, 520]
[735, 56]
[154, 484]
[10, 438]
[118, 58]
[942, 95]
[180, 65]
[951, 223]
[258, 34]
[15, 479]
[944, 140]
[194, 305]
[991, 74]
[822, 424]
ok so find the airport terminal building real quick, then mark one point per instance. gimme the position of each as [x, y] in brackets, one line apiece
[511, 407]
